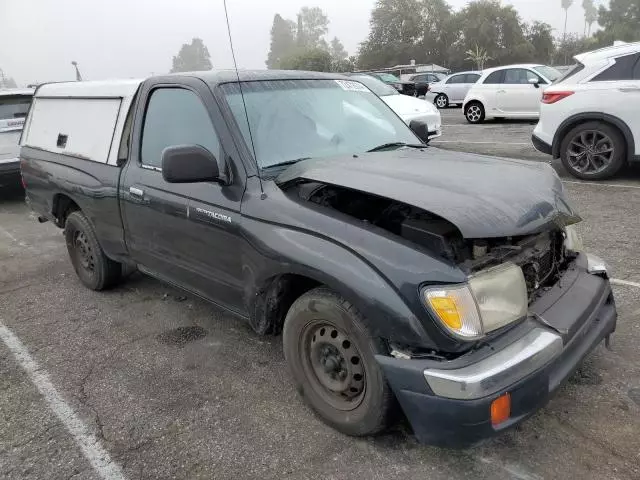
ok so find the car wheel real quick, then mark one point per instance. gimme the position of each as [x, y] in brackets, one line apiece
[593, 151]
[441, 101]
[331, 357]
[474, 112]
[93, 267]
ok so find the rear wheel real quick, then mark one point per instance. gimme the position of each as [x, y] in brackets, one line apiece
[441, 101]
[95, 270]
[474, 112]
[331, 356]
[593, 151]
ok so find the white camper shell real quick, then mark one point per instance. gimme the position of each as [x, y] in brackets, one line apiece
[83, 119]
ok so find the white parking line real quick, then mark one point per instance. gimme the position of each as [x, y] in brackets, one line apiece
[596, 184]
[90, 445]
[626, 283]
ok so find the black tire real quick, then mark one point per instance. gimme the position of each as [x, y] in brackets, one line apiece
[601, 137]
[441, 101]
[322, 315]
[92, 266]
[474, 112]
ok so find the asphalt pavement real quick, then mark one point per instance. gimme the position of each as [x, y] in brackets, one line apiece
[145, 381]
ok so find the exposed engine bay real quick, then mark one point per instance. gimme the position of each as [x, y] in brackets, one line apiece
[541, 256]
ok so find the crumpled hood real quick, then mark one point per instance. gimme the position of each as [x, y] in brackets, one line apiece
[482, 196]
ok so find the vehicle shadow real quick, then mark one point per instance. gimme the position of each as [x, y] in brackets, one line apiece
[11, 194]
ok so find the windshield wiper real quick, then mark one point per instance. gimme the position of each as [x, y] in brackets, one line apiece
[283, 164]
[396, 144]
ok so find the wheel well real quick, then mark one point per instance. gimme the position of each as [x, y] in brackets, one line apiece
[62, 207]
[564, 129]
[471, 102]
[274, 300]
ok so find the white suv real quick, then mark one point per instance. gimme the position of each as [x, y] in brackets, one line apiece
[508, 92]
[590, 118]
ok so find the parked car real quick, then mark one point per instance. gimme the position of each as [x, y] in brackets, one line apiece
[508, 92]
[452, 89]
[589, 118]
[282, 203]
[14, 105]
[423, 80]
[407, 108]
[405, 88]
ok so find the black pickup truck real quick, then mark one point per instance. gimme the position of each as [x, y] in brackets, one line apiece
[451, 284]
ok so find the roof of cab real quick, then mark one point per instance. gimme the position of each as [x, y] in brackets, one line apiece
[102, 88]
[217, 77]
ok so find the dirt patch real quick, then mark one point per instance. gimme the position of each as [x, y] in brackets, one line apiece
[182, 335]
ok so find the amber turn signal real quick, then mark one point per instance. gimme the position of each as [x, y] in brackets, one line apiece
[501, 409]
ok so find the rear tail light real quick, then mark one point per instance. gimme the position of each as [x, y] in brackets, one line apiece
[553, 97]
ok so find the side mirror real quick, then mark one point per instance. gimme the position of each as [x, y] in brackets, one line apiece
[189, 164]
[535, 82]
[421, 129]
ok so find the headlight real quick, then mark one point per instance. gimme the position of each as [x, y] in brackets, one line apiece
[492, 299]
[572, 239]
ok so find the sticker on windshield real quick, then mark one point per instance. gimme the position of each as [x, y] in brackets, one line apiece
[352, 86]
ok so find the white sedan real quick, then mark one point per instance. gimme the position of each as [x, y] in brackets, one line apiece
[406, 107]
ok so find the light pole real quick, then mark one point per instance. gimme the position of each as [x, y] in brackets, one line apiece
[78, 76]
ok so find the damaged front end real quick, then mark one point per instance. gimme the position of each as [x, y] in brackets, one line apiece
[505, 274]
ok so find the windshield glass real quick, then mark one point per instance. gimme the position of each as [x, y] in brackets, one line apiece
[388, 77]
[299, 119]
[14, 107]
[376, 86]
[549, 72]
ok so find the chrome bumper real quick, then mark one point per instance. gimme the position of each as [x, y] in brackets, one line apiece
[523, 357]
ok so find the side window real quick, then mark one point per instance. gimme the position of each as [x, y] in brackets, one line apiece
[471, 78]
[175, 116]
[623, 69]
[520, 76]
[495, 78]
[636, 70]
[456, 79]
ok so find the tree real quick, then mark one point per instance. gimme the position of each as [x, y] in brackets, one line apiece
[439, 30]
[494, 27]
[336, 49]
[590, 15]
[478, 56]
[565, 4]
[540, 35]
[395, 36]
[192, 57]
[572, 45]
[283, 42]
[314, 59]
[619, 22]
[6, 82]
[313, 25]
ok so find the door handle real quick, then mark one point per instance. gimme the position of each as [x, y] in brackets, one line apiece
[136, 192]
[501, 91]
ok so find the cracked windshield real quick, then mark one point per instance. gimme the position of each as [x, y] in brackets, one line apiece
[319, 239]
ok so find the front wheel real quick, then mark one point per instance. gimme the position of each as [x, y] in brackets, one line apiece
[441, 101]
[94, 269]
[331, 357]
[593, 151]
[474, 112]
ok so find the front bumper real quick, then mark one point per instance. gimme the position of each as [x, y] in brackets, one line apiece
[448, 403]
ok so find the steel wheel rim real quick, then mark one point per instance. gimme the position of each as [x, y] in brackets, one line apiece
[440, 101]
[590, 152]
[84, 252]
[474, 113]
[333, 365]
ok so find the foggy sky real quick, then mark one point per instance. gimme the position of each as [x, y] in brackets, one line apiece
[135, 38]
